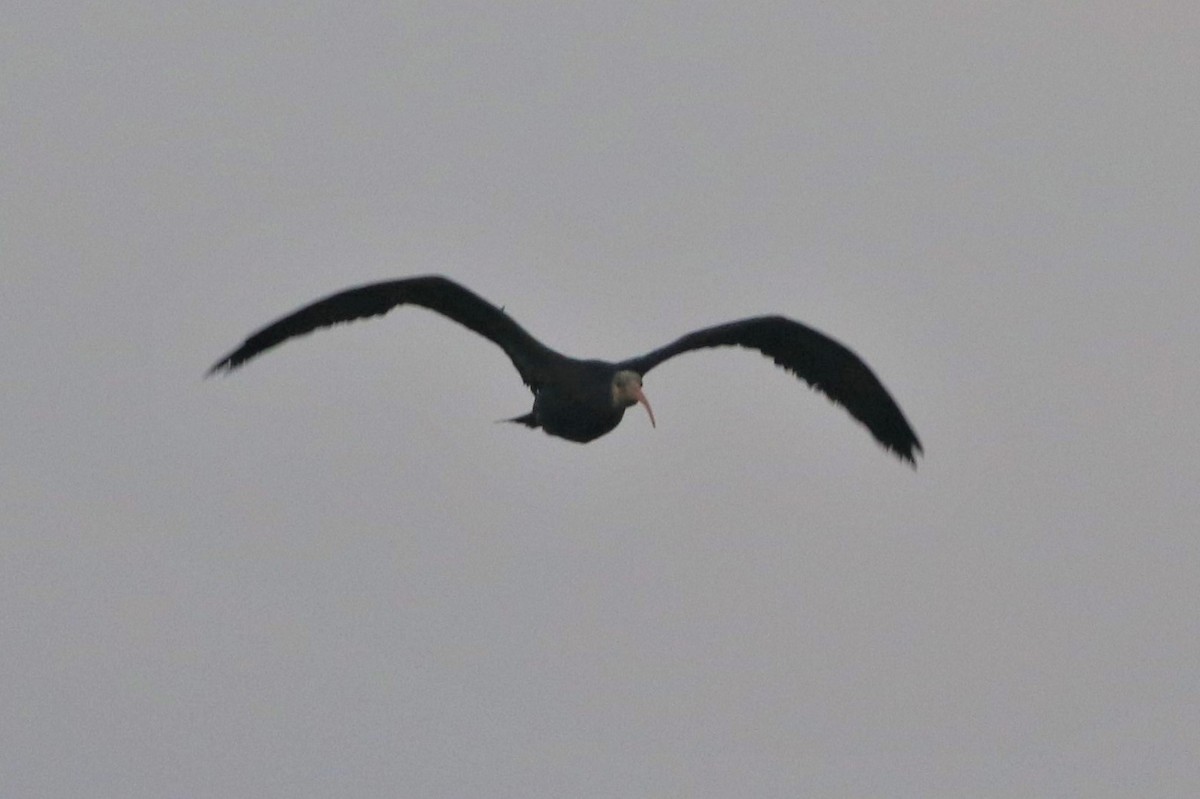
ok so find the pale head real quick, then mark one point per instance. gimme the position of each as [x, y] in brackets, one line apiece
[627, 392]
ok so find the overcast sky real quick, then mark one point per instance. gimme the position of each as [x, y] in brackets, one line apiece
[332, 574]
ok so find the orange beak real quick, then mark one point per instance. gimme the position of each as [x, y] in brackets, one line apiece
[637, 392]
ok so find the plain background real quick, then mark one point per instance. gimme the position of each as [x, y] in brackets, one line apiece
[331, 574]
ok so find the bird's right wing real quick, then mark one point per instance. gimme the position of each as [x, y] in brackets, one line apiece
[436, 293]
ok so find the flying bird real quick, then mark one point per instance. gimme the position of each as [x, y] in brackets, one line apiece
[582, 400]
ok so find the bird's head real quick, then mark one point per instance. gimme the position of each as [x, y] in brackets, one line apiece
[627, 392]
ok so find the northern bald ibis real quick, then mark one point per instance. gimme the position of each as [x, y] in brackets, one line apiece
[582, 400]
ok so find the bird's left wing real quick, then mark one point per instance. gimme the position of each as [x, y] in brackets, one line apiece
[823, 363]
[436, 293]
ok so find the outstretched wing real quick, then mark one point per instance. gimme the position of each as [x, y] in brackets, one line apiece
[436, 293]
[820, 361]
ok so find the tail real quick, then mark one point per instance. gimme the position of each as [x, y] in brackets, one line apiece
[529, 420]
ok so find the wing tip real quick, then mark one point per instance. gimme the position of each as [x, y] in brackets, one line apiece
[225, 365]
[906, 450]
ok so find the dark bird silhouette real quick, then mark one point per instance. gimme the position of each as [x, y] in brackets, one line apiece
[582, 400]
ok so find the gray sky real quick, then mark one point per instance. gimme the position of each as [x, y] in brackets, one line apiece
[331, 574]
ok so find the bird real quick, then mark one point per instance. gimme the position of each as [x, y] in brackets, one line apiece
[581, 400]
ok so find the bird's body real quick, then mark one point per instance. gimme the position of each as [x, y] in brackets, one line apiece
[579, 406]
[581, 400]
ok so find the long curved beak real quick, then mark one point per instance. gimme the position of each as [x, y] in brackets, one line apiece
[637, 392]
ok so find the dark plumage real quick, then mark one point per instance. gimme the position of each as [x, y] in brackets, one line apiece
[582, 400]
